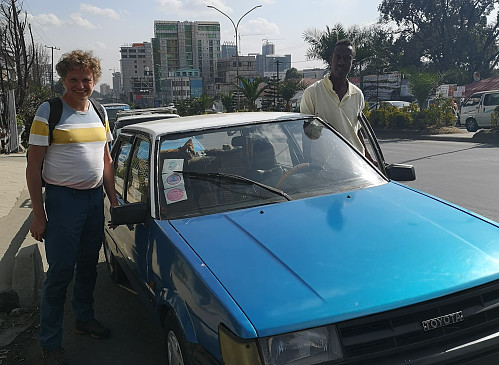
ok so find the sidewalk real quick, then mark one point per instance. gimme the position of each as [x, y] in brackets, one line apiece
[13, 172]
[15, 219]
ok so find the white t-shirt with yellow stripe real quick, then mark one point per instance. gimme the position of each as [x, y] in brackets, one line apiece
[75, 158]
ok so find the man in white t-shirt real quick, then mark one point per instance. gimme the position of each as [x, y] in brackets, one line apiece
[336, 100]
[76, 166]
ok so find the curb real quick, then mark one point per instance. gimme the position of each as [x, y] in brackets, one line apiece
[27, 276]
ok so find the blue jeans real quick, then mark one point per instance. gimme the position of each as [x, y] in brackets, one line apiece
[73, 238]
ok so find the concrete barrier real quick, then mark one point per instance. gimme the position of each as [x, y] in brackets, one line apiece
[27, 276]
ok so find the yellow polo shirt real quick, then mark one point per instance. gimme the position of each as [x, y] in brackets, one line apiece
[320, 99]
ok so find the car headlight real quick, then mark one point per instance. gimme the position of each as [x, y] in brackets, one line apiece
[308, 347]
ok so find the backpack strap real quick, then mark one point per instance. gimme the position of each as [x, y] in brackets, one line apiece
[100, 110]
[55, 115]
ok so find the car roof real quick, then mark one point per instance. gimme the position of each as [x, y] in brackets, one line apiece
[208, 121]
[153, 116]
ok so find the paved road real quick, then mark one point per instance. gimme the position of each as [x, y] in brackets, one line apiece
[462, 173]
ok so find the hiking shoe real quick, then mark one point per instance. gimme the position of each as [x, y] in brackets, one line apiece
[93, 328]
[54, 357]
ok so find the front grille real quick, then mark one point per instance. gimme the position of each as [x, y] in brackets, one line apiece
[400, 334]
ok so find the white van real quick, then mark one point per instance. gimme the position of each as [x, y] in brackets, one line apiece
[477, 110]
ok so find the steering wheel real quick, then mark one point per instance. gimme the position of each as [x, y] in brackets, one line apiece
[295, 169]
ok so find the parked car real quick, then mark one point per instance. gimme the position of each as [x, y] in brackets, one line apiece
[476, 111]
[266, 238]
[396, 103]
[129, 118]
[112, 109]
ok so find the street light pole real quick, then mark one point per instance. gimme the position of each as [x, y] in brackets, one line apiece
[236, 26]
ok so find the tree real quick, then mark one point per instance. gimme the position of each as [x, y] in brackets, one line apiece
[251, 89]
[321, 43]
[445, 34]
[422, 84]
[22, 61]
[227, 101]
[373, 46]
[16, 53]
[202, 103]
[293, 73]
[288, 89]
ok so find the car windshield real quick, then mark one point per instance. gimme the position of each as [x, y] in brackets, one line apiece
[224, 169]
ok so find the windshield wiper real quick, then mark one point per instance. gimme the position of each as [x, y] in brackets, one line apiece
[221, 175]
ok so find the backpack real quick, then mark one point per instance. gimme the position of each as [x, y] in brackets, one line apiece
[56, 113]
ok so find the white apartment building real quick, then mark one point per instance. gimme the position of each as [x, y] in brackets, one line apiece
[137, 74]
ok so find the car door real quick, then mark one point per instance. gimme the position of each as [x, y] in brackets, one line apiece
[489, 103]
[132, 184]
[394, 171]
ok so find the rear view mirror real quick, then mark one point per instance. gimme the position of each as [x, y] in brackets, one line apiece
[133, 213]
[400, 172]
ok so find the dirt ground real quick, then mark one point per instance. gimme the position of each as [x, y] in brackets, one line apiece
[24, 349]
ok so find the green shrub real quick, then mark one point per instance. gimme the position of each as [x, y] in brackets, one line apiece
[390, 117]
[411, 117]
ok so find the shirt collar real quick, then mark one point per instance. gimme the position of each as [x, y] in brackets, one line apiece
[329, 85]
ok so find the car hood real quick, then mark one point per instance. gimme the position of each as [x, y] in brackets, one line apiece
[321, 260]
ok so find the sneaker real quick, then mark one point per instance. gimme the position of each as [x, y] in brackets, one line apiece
[54, 357]
[93, 328]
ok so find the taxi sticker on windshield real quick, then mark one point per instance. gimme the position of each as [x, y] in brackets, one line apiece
[173, 182]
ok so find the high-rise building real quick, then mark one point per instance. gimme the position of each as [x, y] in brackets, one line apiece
[137, 74]
[268, 48]
[270, 64]
[228, 49]
[186, 45]
[105, 89]
[117, 84]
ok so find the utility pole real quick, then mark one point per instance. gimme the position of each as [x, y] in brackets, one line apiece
[277, 62]
[52, 69]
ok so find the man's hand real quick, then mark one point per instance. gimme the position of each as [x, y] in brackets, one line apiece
[37, 228]
[109, 223]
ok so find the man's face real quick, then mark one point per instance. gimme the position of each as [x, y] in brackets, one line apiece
[341, 61]
[79, 84]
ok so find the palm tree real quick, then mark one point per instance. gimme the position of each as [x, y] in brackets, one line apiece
[322, 42]
[251, 89]
[372, 46]
[202, 103]
[227, 101]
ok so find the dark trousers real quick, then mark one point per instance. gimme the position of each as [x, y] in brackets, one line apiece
[73, 239]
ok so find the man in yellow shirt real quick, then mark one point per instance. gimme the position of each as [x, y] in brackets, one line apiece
[336, 100]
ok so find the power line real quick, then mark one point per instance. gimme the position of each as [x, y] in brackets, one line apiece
[39, 29]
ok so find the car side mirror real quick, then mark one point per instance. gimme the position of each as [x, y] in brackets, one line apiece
[400, 172]
[133, 213]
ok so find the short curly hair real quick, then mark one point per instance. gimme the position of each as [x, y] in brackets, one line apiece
[77, 60]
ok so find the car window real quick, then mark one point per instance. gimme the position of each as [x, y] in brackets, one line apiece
[491, 99]
[224, 169]
[138, 173]
[124, 148]
[473, 100]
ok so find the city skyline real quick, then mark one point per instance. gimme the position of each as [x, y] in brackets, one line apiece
[91, 26]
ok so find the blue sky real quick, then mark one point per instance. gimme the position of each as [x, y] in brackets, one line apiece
[104, 26]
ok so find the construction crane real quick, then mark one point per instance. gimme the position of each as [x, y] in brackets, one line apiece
[273, 39]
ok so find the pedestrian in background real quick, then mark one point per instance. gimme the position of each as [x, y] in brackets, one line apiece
[76, 165]
[336, 100]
